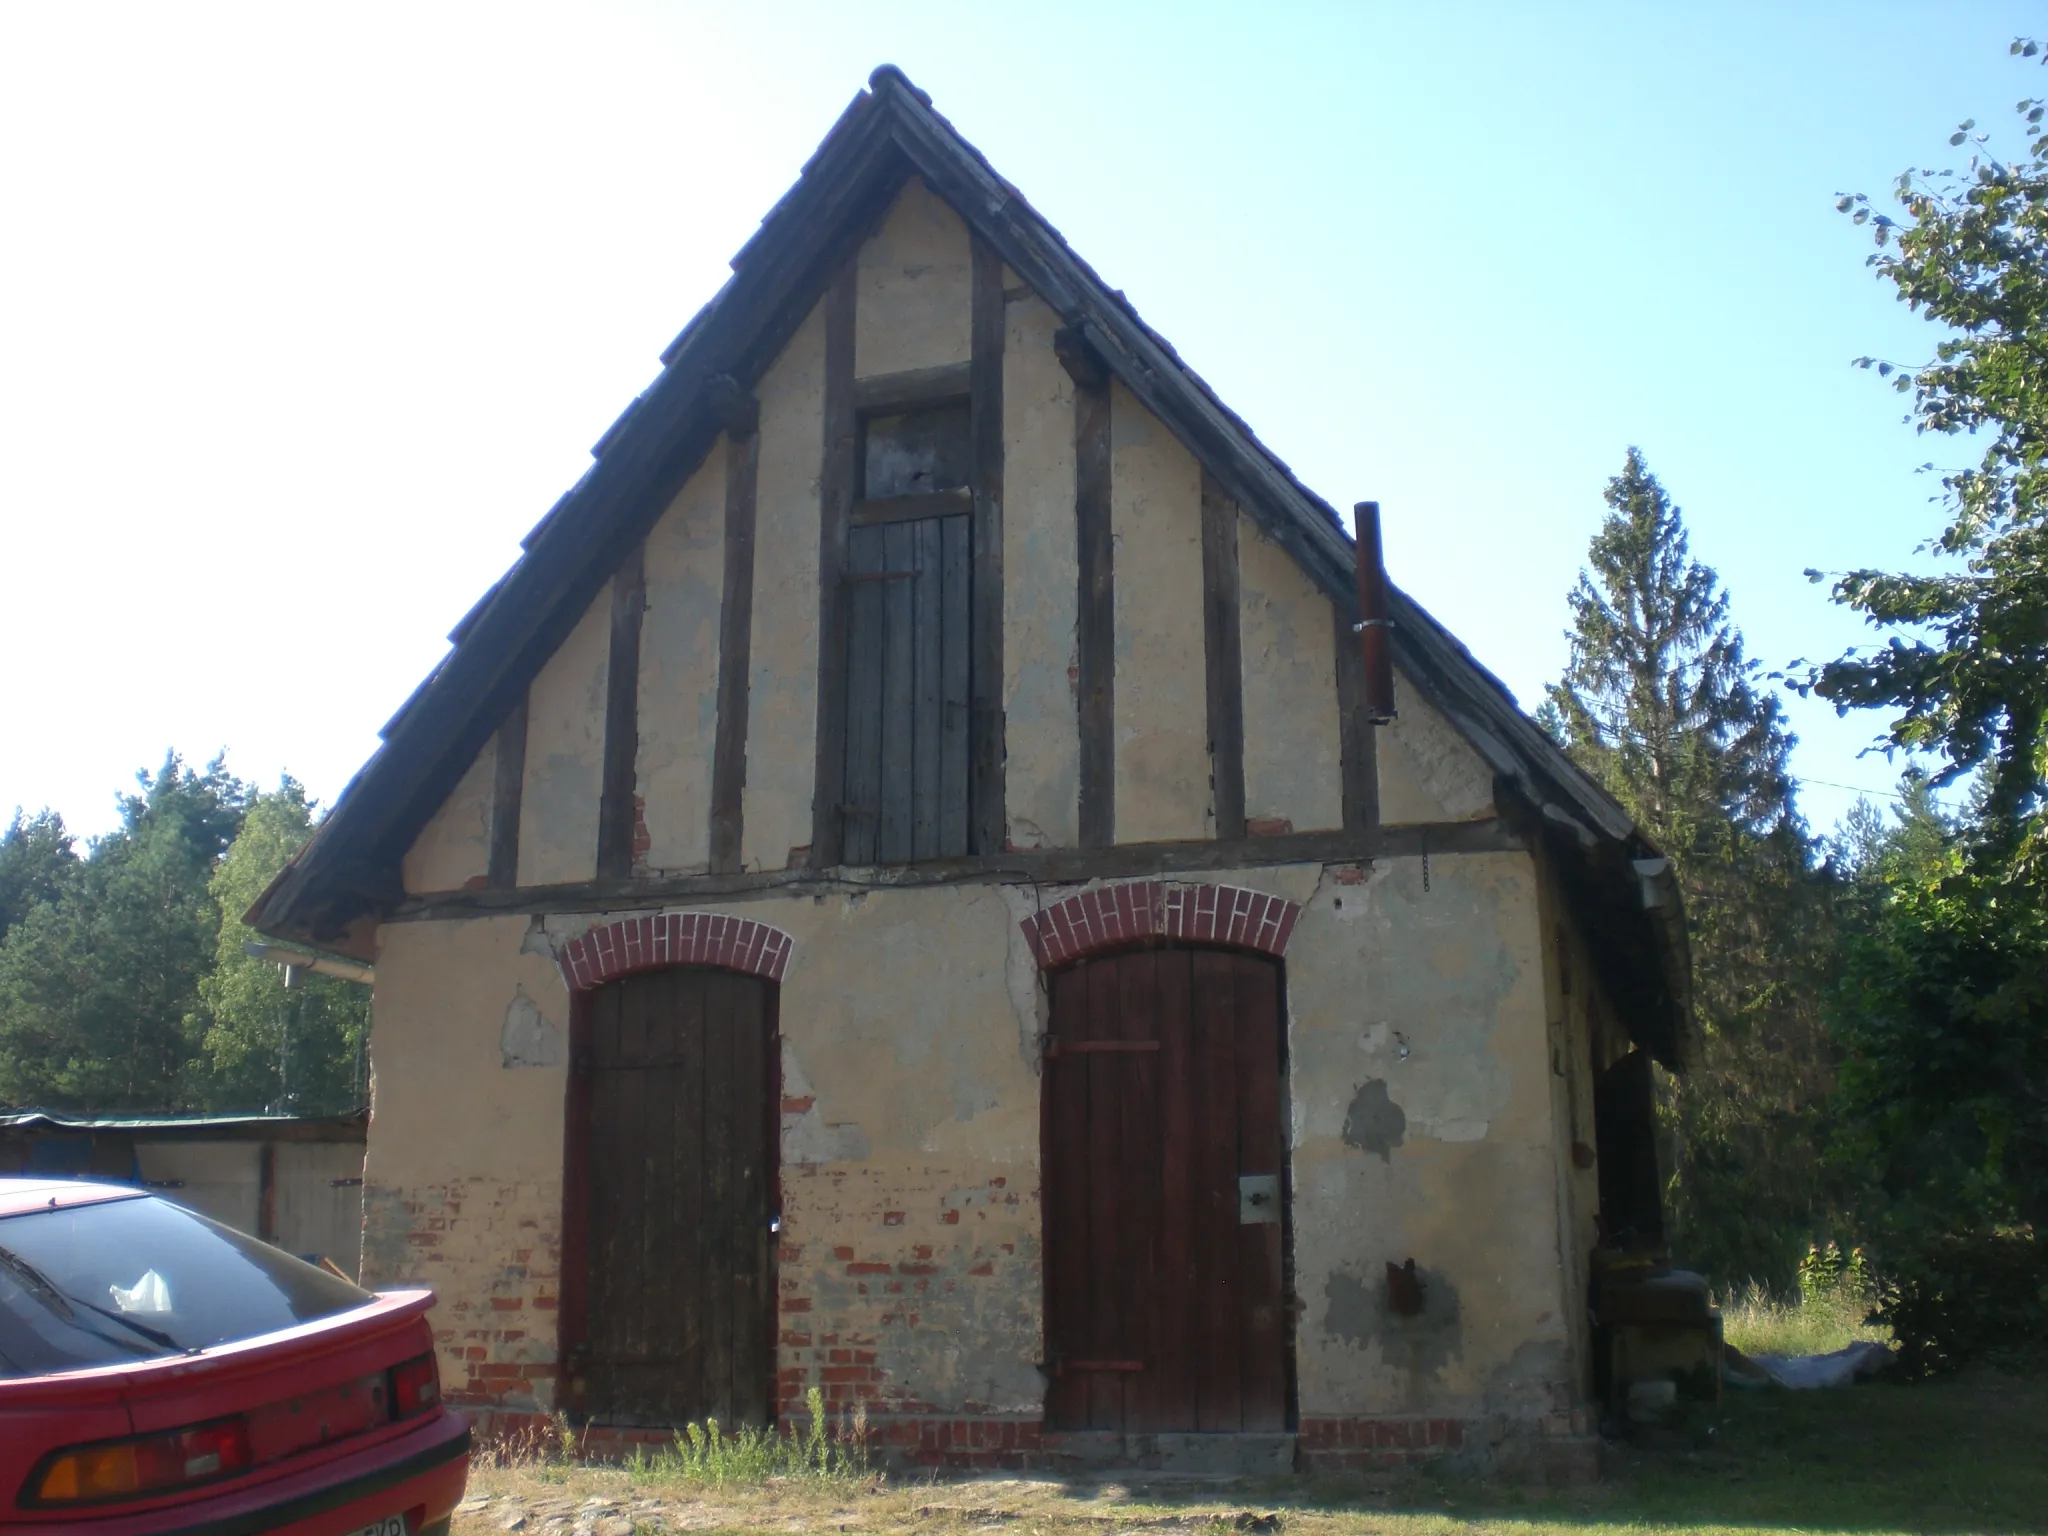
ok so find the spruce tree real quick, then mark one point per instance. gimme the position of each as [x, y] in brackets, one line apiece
[1660, 704]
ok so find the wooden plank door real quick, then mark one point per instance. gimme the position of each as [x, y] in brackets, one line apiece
[679, 1178]
[1164, 1221]
[906, 691]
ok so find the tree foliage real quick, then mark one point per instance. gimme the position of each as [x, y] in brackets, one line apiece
[296, 1049]
[36, 859]
[123, 986]
[1965, 665]
[1660, 704]
[1943, 1003]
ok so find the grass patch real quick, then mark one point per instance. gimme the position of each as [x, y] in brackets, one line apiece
[824, 1452]
[1827, 1313]
[1760, 1324]
[1952, 1456]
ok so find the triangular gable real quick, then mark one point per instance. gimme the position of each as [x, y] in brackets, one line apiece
[885, 136]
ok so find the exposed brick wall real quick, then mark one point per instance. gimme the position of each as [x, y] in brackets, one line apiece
[909, 1292]
[674, 938]
[1118, 914]
[491, 1252]
[1333, 1444]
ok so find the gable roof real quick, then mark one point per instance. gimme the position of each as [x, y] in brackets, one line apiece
[887, 134]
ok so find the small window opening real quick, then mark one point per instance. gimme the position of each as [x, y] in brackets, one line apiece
[916, 452]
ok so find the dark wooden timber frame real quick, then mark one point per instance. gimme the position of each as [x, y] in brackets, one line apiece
[947, 384]
[1223, 657]
[835, 510]
[572, 1318]
[735, 648]
[987, 816]
[1015, 866]
[617, 810]
[1358, 745]
[1095, 614]
[508, 783]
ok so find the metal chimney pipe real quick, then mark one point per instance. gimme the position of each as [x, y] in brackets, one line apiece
[1374, 643]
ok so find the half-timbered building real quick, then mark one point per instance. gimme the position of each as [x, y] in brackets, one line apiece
[910, 887]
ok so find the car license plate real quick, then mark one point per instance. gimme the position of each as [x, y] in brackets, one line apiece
[390, 1525]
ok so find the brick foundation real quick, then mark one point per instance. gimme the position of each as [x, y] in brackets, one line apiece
[941, 1442]
[492, 1253]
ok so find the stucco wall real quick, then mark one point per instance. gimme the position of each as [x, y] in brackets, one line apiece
[462, 1184]
[782, 694]
[455, 847]
[678, 700]
[1162, 746]
[1292, 754]
[1040, 585]
[1423, 1129]
[558, 800]
[1421, 1114]
[1428, 772]
[915, 278]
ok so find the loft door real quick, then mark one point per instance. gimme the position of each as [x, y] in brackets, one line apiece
[906, 690]
[1163, 1158]
[679, 1182]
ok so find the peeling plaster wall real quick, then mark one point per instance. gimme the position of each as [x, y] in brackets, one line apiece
[1041, 576]
[782, 693]
[915, 281]
[679, 670]
[455, 847]
[1292, 753]
[1423, 1128]
[462, 1184]
[558, 799]
[1428, 772]
[1162, 745]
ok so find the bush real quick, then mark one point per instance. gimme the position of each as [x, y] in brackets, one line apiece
[1953, 1298]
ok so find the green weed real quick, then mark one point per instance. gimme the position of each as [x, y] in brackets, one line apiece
[823, 1451]
[1829, 1312]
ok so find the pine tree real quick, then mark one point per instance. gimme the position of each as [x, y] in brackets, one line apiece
[36, 859]
[99, 989]
[1662, 707]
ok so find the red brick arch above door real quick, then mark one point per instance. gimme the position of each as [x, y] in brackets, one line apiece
[1118, 914]
[674, 938]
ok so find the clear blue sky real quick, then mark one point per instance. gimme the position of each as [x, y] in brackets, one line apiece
[307, 314]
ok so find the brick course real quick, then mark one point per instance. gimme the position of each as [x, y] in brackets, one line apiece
[1114, 915]
[674, 938]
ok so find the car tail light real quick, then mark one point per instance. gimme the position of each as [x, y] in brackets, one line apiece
[147, 1464]
[415, 1386]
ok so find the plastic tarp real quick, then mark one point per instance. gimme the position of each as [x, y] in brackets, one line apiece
[1837, 1369]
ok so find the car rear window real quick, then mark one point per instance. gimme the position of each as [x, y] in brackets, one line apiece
[125, 1280]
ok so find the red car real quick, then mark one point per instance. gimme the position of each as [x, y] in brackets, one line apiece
[162, 1373]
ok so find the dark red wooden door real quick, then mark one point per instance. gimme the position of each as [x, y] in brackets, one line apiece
[1163, 1217]
[679, 1177]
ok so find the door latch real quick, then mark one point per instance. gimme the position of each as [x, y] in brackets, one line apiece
[1258, 1199]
